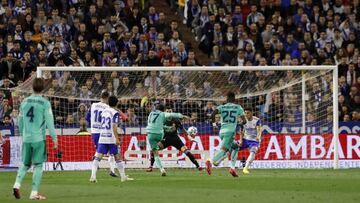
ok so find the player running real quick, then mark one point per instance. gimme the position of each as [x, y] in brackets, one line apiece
[250, 138]
[109, 140]
[229, 115]
[155, 131]
[95, 119]
[35, 116]
[171, 138]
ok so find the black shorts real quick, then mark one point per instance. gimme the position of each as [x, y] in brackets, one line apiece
[172, 141]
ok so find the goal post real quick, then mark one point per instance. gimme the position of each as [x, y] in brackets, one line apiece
[301, 76]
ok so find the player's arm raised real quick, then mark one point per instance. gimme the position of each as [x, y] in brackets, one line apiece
[49, 119]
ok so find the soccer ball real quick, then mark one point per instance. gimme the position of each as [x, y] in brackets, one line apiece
[192, 131]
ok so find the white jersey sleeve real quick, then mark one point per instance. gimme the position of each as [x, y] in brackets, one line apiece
[95, 116]
[250, 128]
[109, 117]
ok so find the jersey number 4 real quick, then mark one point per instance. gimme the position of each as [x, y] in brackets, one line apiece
[30, 114]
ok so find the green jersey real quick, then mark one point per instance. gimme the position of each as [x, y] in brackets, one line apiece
[229, 116]
[35, 116]
[156, 121]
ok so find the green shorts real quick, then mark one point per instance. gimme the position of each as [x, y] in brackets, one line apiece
[154, 139]
[34, 153]
[227, 140]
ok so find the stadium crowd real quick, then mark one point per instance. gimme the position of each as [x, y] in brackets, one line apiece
[133, 33]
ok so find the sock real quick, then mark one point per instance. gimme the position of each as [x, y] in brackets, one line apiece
[158, 161]
[37, 175]
[152, 159]
[112, 163]
[192, 158]
[234, 154]
[219, 157]
[95, 167]
[121, 168]
[20, 175]
[250, 159]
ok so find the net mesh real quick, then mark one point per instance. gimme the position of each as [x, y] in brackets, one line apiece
[277, 98]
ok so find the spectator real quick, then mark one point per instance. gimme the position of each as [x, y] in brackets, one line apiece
[80, 113]
[131, 118]
[153, 81]
[254, 16]
[7, 121]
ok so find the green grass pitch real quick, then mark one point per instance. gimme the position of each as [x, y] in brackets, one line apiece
[187, 186]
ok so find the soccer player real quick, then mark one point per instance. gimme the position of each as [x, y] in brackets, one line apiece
[155, 131]
[229, 113]
[109, 140]
[95, 119]
[171, 138]
[250, 138]
[35, 116]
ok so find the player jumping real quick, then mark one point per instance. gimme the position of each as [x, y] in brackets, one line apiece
[95, 119]
[109, 140]
[250, 138]
[171, 138]
[229, 115]
[155, 131]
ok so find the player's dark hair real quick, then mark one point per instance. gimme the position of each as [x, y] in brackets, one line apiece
[38, 85]
[160, 107]
[105, 95]
[113, 101]
[248, 108]
[168, 107]
[230, 96]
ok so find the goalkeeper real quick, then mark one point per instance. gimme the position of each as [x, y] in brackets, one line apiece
[35, 116]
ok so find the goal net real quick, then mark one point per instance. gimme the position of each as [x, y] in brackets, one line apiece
[295, 104]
